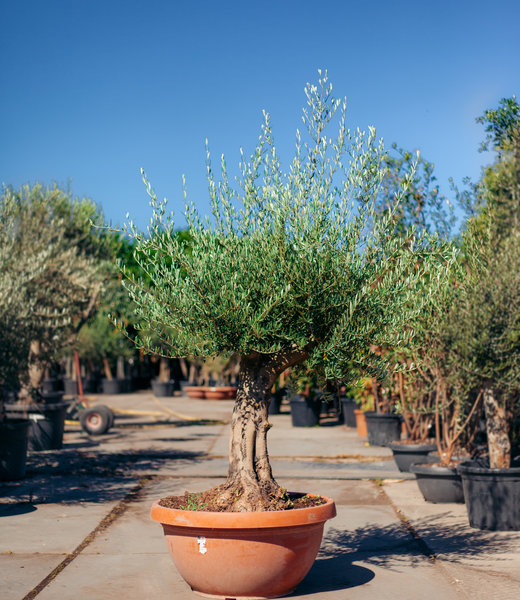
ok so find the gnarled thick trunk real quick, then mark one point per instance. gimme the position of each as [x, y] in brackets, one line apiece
[497, 429]
[250, 485]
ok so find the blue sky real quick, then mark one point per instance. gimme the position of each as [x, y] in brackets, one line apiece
[93, 90]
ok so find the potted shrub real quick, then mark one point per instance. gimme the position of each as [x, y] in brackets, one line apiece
[415, 404]
[291, 269]
[305, 397]
[15, 313]
[365, 403]
[66, 290]
[164, 385]
[56, 283]
[455, 428]
[383, 424]
[447, 386]
[492, 485]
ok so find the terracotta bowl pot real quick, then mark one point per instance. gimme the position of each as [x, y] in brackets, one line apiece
[244, 555]
[217, 393]
[196, 391]
[361, 422]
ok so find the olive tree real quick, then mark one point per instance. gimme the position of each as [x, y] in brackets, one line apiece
[50, 236]
[291, 268]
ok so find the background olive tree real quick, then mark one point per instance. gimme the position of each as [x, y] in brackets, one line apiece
[50, 236]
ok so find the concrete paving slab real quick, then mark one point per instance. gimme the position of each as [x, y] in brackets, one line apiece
[113, 577]
[35, 538]
[367, 552]
[51, 528]
[284, 440]
[478, 560]
[44, 490]
[365, 546]
[20, 573]
[218, 467]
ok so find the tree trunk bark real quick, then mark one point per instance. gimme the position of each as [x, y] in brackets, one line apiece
[250, 485]
[107, 370]
[35, 373]
[164, 369]
[497, 427]
[120, 367]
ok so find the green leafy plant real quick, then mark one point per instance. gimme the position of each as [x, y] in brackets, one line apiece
[193, 502]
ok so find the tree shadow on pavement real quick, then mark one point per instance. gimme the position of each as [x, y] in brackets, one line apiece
[64, 476]
[393, 545]
[394, 548]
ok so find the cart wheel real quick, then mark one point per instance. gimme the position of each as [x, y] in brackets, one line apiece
[96, 420]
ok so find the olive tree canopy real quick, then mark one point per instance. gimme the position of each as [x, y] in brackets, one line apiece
[291, 267]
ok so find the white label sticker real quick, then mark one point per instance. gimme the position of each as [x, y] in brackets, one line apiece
[201, 541]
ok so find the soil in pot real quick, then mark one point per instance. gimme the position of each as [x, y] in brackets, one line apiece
[13, 448]
[305, 412]
[382, 428]
[438, 483]
[492, 495]
[244, 554]
[406, 453]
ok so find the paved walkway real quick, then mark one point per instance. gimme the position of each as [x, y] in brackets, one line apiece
[78, 525]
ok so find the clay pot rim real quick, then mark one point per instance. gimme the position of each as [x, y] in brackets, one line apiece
[244, 520]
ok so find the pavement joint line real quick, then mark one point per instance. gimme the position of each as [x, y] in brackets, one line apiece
[212, 445]
[423, 547]
[107, 520]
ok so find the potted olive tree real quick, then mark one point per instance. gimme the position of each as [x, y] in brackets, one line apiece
[52, 229]
[491, 320]
[15, 310]
[404, 392]
[442, 385]
[305, 397]
[292, 268]
[415, 401]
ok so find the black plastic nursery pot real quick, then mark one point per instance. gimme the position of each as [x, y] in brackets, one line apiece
[13, 448]
[115, 386]
[492, 495]
[437, 483]
[347, 410]
[47, 427]
[406, 454]
[275, 404]
[52, 385]
[46, 423]
[305, 412]
[90, 386]
[162, 389]
[382, 428]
